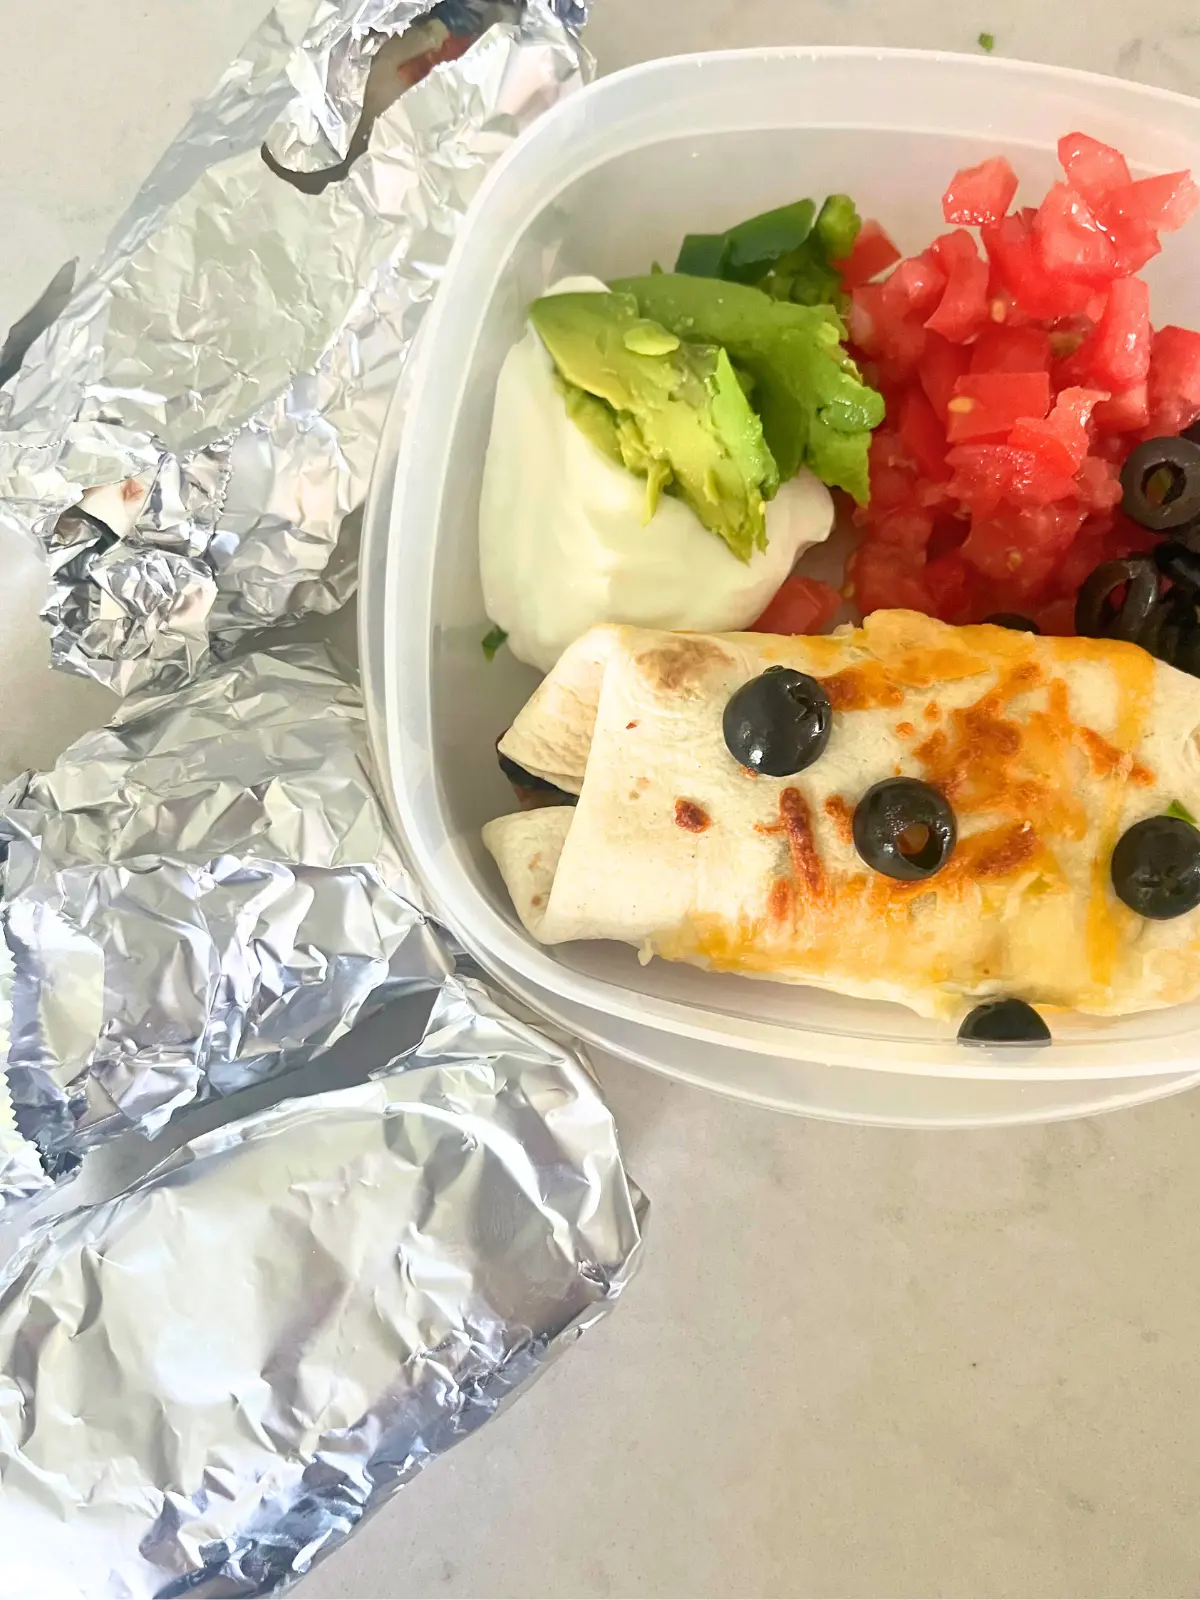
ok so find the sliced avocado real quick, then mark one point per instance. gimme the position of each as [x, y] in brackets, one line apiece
[805, 386]
[593, 417]
[679, 411]
[617, 435]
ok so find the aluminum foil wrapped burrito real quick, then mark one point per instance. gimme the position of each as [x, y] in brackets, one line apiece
[191, 440]
[210, 1380]
[195, 898]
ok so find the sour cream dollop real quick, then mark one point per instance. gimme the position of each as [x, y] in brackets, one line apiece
[563, 543]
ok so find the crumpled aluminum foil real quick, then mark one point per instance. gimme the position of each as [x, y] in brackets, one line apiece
[191, 440]
[21, 1173]
[206, 1383]
[197, 897]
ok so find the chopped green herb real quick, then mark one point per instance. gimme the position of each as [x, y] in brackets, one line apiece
[491, 642]
[1180, 811]
[987, 41]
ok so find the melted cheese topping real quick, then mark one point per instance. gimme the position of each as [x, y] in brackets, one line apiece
[1047, 750]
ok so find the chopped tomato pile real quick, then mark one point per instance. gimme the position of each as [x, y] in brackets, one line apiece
[1019, 367]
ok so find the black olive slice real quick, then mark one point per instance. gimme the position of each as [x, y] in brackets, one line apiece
[1185, 647]
[1096, 617]
[530, 790]
[779, 723]
[1013, 620]
[1179, 563]
[1156, 868]
[1160, 484]
[1004, 1022]
[904, 829]
[1161, 634]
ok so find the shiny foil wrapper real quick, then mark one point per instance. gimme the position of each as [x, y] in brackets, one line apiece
[208, 1381]
[21, 1173]
[191, 439]
[197, 897]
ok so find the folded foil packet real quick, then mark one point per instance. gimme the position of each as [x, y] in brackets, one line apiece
[207, 1382]
[190, 441]
[196, 898]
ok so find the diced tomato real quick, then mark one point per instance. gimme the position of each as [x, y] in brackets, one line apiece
[964, 307]
[881, 577]
[1134, 242]
[986, 474]
[1164, 203]
[1127, 412]
[892, 475]
[1099, 485]
[1015, 388]
[865, 319]
[872, 254]
[904, 344]
[1085, 553]
[980, 194]
[801, 605]
[1022, 549]
[881, 330]
[1116, 354]
[1001, 349]
[952, 585]
[915, 287]
[986, 405]
[1123, 537]
[1173, 387]
[924, 435]
[1057, 618]
[1093, 168]
[942, 365]
[907, 528]
[1062, 439]
[1099, 539]
[1070, 240]
[1017, 269]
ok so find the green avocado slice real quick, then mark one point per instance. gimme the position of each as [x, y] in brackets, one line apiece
[680, 416]
[816, 410]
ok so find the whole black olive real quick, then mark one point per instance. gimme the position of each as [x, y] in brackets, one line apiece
[779, 723]
[1011, 619]
[1004, 1022]
[904, 829]
[1095, 615]
[1156, 868]
[1173, 467]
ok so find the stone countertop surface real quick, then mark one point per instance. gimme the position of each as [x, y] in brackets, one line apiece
[857, 1362]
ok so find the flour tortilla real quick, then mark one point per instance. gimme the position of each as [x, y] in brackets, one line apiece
[1048, 749]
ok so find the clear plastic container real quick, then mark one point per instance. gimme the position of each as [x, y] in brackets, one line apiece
[608, 181]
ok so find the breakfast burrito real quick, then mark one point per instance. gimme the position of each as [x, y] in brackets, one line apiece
[905, 811]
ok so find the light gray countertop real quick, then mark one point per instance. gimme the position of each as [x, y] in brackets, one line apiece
[856, 1362]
